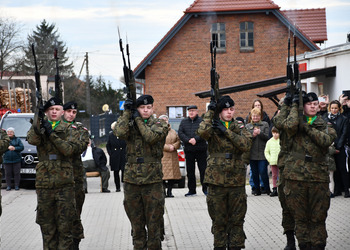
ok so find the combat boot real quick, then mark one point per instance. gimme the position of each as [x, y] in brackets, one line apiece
[290, 241]
[234, 248]
[274, 192]
[75, 244]
[318, 247]
[305, 246]
[219, 248]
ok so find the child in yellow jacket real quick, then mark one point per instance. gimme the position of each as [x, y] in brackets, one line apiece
[271, 152]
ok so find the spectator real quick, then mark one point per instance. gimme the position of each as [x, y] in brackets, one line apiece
[340, 124]
[272, 150]
[195, 149]
[258, 164]
[13, 160]
[95, 160]
[264, 116]
[323, 105]
[170, 160]
[345, 101]
[116, 149]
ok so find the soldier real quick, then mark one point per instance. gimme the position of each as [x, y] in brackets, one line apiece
[70, 113]
[285, 143]
[226, 173]
[143, 188]
[4, 144]
[54, 177]
[306, 172]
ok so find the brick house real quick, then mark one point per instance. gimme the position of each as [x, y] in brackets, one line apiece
[251, 37]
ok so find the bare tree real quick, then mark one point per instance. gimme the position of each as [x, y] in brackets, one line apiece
[10, 45]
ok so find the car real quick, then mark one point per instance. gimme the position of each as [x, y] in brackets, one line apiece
[175, 123]
[21, 123]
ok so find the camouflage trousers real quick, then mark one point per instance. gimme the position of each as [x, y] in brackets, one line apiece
[78, 230]
[227, 207]
[144, 206]
[55, 214]
[287, 217]
[309, 203]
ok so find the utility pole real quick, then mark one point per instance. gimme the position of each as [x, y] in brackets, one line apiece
[88, 102]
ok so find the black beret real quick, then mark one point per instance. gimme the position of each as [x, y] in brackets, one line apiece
[52, 102]
[144, 100]
[310, 97]
[225, 102]
[192, 107]
[70, 105]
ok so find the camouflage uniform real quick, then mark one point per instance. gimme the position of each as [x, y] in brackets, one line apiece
[226, 177]
[306, 173]
[78, 171]
[4, 144]
[55, 184]
[143, 189]
[285, 143]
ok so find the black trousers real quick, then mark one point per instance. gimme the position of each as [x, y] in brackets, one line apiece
[341, 178]
[117, 178]
[191, 158]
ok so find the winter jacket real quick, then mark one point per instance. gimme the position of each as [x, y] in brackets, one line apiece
[259, 141]
[170, 160]
[187, 130]
[272, 149]
[341, 125]
[15, 155]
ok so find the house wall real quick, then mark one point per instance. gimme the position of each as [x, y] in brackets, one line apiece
[183, 66]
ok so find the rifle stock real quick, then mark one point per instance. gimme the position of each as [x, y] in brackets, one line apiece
[214, 80]
[38, 113]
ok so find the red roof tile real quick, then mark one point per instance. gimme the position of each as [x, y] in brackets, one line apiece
[311, 21]
[230, 5]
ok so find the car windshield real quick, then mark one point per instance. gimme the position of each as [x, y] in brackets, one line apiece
[20, 124]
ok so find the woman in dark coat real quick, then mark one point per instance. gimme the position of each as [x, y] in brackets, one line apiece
[340, 124]
[116, 149]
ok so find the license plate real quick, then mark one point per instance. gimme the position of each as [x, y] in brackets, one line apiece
[28, 171]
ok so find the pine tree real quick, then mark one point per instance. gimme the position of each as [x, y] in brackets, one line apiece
[46, 38]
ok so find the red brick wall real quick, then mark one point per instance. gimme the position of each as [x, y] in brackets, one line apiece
[183, 66]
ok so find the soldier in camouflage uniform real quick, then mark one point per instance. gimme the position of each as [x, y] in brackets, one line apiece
[70, 113]
[4, 144]
[143, 188]
[306, 172]
[54, 177]
[226, 173]
[285, 143]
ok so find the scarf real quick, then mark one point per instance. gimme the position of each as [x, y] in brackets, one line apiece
[333, 117]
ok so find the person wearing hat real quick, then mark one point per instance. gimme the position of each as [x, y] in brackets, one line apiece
[4, 144]
[12, 159]
[195, 149]
[70, 112]
[143, 185]
[226, 173]
[306, 171]
[54, 180]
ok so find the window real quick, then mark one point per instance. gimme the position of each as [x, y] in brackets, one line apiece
[218, 36]
[246, 30]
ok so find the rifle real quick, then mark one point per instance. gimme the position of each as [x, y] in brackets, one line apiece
[298, 86]
[128, 75]
[290, 85]
[58, 92]
[39, 112]
[214, 80]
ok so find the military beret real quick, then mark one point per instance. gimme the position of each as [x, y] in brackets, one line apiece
[310, 97]
[70, 105]
[225, 102]
[53, 101]
[192, 107]
[144, 100]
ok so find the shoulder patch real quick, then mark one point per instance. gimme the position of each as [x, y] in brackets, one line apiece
[73, 126]
[85, 129]
[239, 122]
[78, 123]
[242, 126]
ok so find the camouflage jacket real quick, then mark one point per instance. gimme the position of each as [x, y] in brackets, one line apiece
[55, 153]
[4, 142]
[308, 157]
[225, 166]
[279, 121]
[82, 138]
[145, 142]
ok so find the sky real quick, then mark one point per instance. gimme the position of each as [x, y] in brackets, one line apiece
[92, 26]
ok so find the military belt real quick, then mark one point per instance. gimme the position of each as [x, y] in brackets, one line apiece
[307, 158]
[52, 157]
[226, 156]
[142, 159]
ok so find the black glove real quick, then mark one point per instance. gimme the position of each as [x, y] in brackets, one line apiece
[128, 103]
[296, 98]
[47, 126]
[212, 105]
[218, 125]
[288, 99]
[135, 114]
